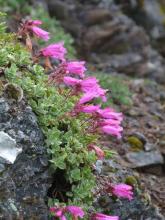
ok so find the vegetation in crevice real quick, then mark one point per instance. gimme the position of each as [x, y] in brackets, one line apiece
[70, 142]
[50, 108]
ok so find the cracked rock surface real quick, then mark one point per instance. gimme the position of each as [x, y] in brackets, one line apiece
[24, 180]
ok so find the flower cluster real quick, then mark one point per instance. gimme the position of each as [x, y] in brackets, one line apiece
[123, 190]
[31, 27]
[71, 73]
[76, 212]
[100, 216]
[60, 212]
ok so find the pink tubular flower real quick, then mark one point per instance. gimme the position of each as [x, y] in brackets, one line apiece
[100, 216]
[109, 122]
[75, 211]
[35, 22]
[87, 97]
[70, 81]
[110, 114]
[56, 51]
[32, 25]
[99, 152]
[58, 212]
[90, 85]
[90, 108]
[76, 67]
[40, 33]
[123, 190]
[112, 130]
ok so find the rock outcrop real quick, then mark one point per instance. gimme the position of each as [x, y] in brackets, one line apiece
[108, 38]
[24, 177]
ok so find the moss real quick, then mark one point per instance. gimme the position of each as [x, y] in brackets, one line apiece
[135, 143]
[131, 180]
[13, 91]
[1, 87]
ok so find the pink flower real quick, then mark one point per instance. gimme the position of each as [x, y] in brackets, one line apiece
[100, 216]
[35, 22]
[76, 67]
[40, 33]
[100, 153]
[87, 97]
[89, 108]
[112, 130]
[123, 190]
[111, 122]
[58, 212]
[75, 211]
[90, 85]
[70, 81]
[56, 51]
[110, 113]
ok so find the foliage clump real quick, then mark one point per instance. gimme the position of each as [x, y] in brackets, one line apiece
[70, 123]
[63, 135]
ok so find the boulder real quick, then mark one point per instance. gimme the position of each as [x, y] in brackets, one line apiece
[24, 177]
[108, 38]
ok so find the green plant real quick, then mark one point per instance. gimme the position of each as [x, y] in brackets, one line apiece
[65, 136]
[9, 6]
[71, 124]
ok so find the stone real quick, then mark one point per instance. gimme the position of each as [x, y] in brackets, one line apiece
[23, 184]
[108, 38]
[8, 149]
[141, 137]
[150, 15]
[3, 164]
[143, 159]
[96, 16]
[136, 209]
[149, 146]
[4, 107]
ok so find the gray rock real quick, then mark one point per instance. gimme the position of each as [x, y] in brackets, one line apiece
[108, 38]
[150, 147]
[23, 184]
[143, 159]
[137, 209]
[140, 136]
[4, 107]
[8, 149]
[150, 15]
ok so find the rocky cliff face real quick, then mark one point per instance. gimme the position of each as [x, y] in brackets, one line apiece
[24, 178]
[108, 38]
